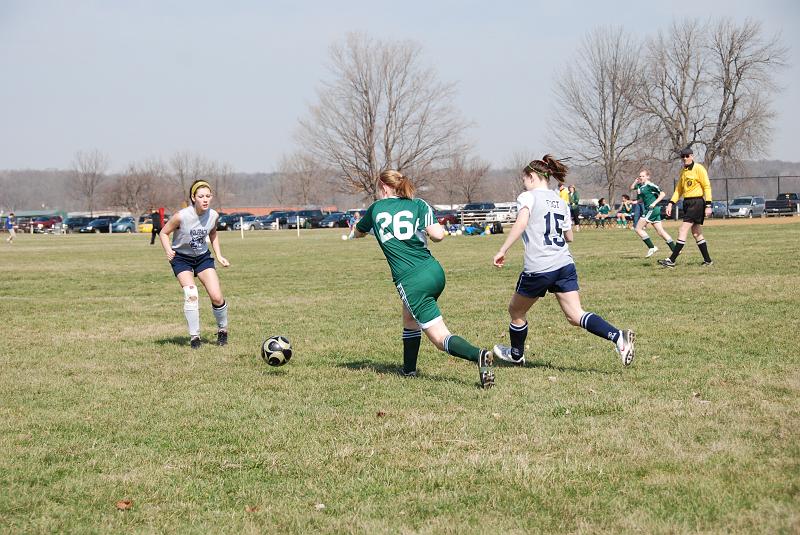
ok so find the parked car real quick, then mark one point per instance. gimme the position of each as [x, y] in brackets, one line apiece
[784, 204]
[100, 224]
[476, 212]
[719, 209]
[73, 224]
[502, 214]
[250, 222]
[335, 219]
[124, 224]
[226, 221]
[747, 207]
[307, 218]
[44, 223]
[276, 220]
[447, 217]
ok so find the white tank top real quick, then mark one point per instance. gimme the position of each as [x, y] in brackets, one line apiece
[190, 238]
[546, 248]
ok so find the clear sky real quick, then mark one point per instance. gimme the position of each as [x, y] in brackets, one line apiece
[229, 79]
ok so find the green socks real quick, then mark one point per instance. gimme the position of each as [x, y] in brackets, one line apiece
[458, 347]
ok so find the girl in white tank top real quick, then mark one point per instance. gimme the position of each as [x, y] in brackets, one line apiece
[189, 257]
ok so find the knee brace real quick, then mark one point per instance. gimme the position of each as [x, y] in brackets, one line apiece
[191, 298]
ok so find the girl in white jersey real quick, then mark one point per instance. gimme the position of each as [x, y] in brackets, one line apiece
[543, 221]
[189, 257]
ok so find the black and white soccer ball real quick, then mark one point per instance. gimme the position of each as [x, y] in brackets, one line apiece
[276, 350]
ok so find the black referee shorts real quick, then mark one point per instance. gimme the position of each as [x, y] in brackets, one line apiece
[694, 210]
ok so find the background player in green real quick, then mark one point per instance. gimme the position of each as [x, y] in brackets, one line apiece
[650, 195]
[401, 223]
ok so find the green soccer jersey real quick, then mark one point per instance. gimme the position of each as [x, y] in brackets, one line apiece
[399, 226]
[648, 193]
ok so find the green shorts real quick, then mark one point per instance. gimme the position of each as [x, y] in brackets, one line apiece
[419, 291]
[653, 215]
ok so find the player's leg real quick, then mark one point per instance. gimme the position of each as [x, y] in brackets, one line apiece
[412, 335]
[661, 231]
[438, 333]
[219, 307]
[683, 233]
[697, 232]
[517, 329]
[570, 303]
[191, 306]
[640, 230]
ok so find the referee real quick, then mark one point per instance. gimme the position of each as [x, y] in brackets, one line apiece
[695, 188]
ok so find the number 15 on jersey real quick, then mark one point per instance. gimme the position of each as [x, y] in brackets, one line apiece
[553, 234]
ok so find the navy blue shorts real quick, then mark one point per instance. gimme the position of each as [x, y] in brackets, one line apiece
[195, 264]
[562, 280]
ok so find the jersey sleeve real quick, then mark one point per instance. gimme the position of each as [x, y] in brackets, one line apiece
[702, 177]
[678, 189]
[525, 200]
[365, 223]
[425, 213]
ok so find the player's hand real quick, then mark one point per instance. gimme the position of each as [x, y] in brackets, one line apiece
[499, 259]
[708, 211]
[170, 255]
[669, 210]
[224, 261]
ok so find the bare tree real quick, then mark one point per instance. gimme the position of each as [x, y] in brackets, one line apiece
[186, 168]
[141, 187]
[674, 93]
[220, 176]
[88, 172]
[305, 179]
[709, 87]
[598, 120]
[743, 68]
[381, 110]
[465, 177]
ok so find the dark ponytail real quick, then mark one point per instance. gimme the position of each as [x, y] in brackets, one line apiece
[546, 167]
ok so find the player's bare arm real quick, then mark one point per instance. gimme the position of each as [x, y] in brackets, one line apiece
[513, 235]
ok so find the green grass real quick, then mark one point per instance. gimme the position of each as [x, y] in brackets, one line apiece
[101, 399]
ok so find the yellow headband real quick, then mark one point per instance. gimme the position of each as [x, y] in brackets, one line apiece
[198, 185]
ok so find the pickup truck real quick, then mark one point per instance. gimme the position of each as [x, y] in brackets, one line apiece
[784, 204]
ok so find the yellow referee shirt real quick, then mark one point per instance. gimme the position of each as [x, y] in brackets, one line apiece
[693, 183]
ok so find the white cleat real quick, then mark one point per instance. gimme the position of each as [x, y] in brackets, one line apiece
[504, 353]
[651, 251]
[626, 348]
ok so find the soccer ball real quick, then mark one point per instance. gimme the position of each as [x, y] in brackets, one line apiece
[276, 350]
[344, 237]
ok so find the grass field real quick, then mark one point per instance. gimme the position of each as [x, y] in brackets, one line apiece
[102, 401]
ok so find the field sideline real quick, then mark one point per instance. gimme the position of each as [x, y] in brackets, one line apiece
[101, 399]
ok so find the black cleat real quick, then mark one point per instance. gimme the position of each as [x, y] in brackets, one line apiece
[667, 263]
[412, 373]
[222, 338]
[195, 342]
[485, 361]
[706, 264]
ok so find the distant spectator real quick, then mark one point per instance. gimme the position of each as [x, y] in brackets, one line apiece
[625, 212]
[603, 212]
[563, 192]
[155, 217]
[10, 222]
[574, 208]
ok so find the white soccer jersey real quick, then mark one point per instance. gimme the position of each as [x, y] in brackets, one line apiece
[546, 248]
[190, 238]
